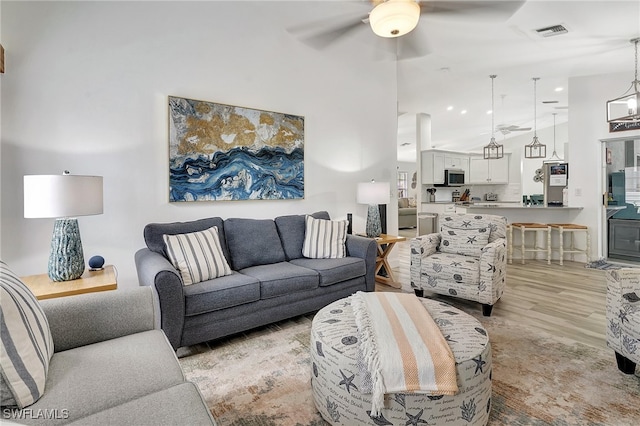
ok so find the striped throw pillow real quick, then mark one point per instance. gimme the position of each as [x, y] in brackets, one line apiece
[324, 239]
[27, 345]
[197, 256]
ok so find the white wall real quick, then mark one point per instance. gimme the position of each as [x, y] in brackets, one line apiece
[587, 128]
[86, 90]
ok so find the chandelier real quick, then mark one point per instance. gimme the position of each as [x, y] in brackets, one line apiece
[394, 18]
[625, 108]
[493, 150]
[535, 149]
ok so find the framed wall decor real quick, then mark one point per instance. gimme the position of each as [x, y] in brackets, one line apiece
[224, 152]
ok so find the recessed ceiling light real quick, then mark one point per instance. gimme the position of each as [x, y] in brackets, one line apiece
[449, 108]
[464, 111]
[489, 112]
[559, 89]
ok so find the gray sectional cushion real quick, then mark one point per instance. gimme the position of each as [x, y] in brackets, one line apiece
[292, 231]
[283, 278]
[252, 242]
[153, 232]
[88, 379]
[333, 271]
[179, 405]
[220, 293]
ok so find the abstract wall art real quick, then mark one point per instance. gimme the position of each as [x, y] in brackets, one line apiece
[222, 152]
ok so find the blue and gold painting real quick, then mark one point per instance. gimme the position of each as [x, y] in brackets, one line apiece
[222, 152]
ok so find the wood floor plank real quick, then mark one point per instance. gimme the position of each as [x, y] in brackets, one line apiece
[567, 301]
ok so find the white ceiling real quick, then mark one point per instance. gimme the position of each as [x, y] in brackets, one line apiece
[464, 54]
[461, 50]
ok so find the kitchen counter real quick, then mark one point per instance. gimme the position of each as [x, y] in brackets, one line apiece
[517, 206]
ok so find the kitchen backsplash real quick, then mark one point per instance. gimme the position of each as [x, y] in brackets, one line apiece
[506, 193]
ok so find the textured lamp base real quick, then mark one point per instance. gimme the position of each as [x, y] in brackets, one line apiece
[66, 260]
[374, 227]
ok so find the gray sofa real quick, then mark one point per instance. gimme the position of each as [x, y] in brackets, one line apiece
[111, 367]
[271, 279]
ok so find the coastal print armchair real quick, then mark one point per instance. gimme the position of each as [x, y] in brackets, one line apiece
[623, 316]
[466, 259]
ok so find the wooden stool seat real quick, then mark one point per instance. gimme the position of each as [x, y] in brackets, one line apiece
[571, 228]
[523, 227]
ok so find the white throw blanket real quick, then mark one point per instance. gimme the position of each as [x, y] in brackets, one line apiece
[401, 347]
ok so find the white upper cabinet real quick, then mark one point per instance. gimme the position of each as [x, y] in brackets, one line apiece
[485, 172]
[433, 164]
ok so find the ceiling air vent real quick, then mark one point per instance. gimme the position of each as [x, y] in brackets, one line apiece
[551, 31]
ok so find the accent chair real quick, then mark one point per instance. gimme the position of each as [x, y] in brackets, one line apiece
[466, 259]
[623, 316]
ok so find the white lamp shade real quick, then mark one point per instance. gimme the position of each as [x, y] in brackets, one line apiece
[394, 18]
[59, 196]
[373, 193]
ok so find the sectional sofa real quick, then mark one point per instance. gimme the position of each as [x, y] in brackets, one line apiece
[90, 359]
[266, 273]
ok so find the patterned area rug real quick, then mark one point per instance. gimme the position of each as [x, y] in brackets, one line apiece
[263, 378]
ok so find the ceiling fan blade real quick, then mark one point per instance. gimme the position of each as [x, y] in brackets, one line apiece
[521, 129]
[491, 9]
[330, 32]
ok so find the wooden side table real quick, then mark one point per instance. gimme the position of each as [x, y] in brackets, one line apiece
[91, 281]
[385, 245]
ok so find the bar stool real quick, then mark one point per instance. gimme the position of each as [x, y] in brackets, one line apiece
[571, 228]
[531, 227]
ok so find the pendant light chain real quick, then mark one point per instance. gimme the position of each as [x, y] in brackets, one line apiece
[635, 81]
[493, 110]
[535, 115]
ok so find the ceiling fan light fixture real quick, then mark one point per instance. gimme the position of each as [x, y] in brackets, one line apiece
[394, 18]
[625, 108]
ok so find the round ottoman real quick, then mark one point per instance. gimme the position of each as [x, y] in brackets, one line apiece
[336, 375]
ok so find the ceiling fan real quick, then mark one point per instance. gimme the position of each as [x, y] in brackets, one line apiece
[506, 129]
[397, 19]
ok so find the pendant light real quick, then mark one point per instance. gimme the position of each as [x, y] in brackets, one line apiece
[554, 156]
[493, 150]
[535, 149]
[625, 108]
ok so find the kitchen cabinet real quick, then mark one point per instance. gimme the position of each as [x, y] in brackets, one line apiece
[488, 172]
[433, 164]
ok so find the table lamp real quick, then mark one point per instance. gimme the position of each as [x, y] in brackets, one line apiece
[373, 193]
[63, 197]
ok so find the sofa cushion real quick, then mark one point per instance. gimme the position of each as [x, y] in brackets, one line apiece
[92, 378]
[403, 203]
[253, 242]
[324, 239]
[291, 229]
[178, 405]
[198, 256]
[333, 271]
[220, 293]
[282, 278]
[154, 233]
[467, 242]
[26, 343]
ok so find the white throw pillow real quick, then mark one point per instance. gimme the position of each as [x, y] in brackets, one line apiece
[468, 242]
[324, 239]
[27, 345]
[198, 256]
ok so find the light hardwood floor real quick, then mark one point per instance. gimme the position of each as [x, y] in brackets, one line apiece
[567, 301]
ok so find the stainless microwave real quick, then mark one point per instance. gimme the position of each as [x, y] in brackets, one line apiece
[453, 177]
